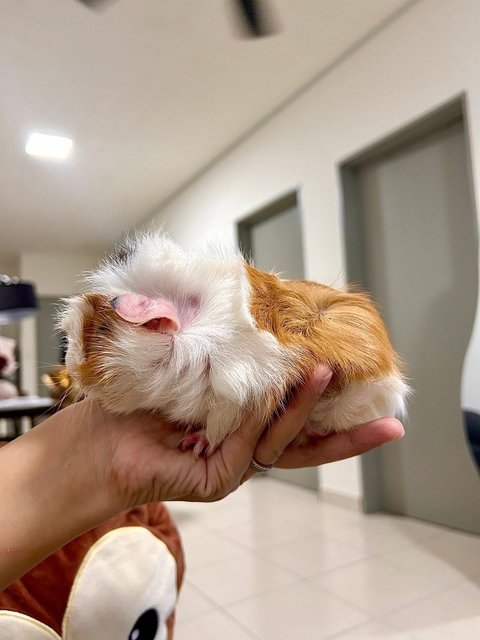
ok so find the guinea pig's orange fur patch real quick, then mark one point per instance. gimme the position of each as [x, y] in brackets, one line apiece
[341, 330]
[98, 325]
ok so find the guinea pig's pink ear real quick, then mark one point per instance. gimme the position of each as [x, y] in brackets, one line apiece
[155, 314]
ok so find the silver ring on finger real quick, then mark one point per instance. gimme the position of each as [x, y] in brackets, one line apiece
[258, 466]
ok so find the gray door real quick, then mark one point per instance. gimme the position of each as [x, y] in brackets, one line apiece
[420, 262]
[275, 244]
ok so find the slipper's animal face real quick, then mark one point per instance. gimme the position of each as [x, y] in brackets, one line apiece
[203, 337]
[125, 589]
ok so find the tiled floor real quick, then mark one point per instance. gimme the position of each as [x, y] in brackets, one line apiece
[271, 562]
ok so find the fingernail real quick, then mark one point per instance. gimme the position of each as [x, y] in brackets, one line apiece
[321, 371]
[400, 433]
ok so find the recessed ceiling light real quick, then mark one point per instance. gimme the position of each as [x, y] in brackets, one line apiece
[47, 146]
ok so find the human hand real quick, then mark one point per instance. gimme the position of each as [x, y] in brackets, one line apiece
[279, 446]
[139, 458]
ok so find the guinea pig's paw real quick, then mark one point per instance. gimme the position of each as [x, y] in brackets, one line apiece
[197, 441]
[311, 430]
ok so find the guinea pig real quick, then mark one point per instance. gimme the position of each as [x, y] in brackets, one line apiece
[204, 338]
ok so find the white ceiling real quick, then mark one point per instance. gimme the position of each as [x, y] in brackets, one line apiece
[151, 91]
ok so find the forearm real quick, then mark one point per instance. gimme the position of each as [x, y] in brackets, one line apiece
[48, 495]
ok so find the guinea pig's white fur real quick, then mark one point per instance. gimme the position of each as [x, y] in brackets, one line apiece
[220, 364]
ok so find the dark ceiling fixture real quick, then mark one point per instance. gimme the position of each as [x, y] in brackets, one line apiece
[256, 20]
[17, 300]
[255, 16]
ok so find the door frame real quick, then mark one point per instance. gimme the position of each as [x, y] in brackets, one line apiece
[270, 210]
[416, 132]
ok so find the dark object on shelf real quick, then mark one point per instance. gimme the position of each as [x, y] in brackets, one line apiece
[17, 299]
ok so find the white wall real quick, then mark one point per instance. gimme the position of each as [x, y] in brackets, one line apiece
[10, 267]
[426, 57]
[55, 274]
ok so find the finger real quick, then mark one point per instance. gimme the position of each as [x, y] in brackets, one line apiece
[339, 446]
[287, 427]
[237, 449]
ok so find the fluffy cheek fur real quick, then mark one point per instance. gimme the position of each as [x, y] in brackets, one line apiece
[92, 339]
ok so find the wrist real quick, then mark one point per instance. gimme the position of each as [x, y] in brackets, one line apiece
[50, 493]
[79, 447]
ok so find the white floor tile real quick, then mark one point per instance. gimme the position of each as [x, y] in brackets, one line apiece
[276, 492]
[471, 586]
[317, 516]
[450, 615]
[212, 626]
[231, 514]
[241, 577]
[313, 554]
[297, 611]
[241, 494]
[276, 499]
[374, 631]
[203, 546]
[378, 533]
[419, 558]
[215, 515]
[260, 532]
[185, 514]
[460, 550]
[287, 565]
[192, 603]
[376, 586]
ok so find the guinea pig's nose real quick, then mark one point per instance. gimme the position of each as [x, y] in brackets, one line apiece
[113, 303]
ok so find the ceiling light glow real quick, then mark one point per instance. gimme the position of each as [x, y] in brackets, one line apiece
[47, 146]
